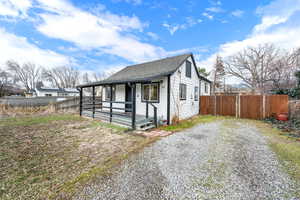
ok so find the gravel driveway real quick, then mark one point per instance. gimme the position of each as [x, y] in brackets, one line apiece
[227, 159]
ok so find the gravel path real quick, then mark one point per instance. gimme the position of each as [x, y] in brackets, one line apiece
[227, 159]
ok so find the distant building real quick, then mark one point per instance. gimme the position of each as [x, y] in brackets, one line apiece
[48, 92]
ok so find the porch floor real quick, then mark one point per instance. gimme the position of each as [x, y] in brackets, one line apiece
[119, 117]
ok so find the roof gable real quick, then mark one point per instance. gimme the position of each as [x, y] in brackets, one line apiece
[149, 70]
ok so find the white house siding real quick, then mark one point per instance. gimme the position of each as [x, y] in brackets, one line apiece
[120, 96]
[141, 106]
[184, 108]
[189, 107]
[161, 106]
[202, 90]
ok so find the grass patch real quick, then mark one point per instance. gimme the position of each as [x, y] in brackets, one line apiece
[184, 124]
[46, 157]
[287, 149]
[69, 188]
[108, 125]
[33, 120]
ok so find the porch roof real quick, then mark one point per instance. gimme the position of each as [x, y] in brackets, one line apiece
[144, 72]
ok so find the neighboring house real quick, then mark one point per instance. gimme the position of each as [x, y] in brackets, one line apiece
[56, 92]
[145, 94]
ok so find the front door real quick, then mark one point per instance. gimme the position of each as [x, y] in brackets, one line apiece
[128, 98]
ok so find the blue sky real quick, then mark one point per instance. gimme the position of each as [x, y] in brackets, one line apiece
[95, 35]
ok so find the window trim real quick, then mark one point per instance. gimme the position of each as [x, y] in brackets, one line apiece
[186, 64]
[196, 97]
[158, 94]
[182, 84]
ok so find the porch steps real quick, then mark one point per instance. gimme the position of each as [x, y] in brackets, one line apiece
[145, 125]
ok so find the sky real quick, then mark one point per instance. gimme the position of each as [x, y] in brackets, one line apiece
[104, 36]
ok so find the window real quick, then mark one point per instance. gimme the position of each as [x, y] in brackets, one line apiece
[107, 93]
[48, 95]
[206, 88]
[188, 69]
[196, 93]
[150, 92]
[182, 91]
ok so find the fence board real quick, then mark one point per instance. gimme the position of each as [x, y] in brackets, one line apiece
[251, 107]
[207, 105]
[276, 104]
[245, 106]
[226, 105]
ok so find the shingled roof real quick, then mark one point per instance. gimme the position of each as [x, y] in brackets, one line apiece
[145, 71]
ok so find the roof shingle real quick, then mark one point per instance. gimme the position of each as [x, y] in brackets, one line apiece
[145, 71]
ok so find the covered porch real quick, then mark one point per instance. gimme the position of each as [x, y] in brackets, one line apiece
[117, 107]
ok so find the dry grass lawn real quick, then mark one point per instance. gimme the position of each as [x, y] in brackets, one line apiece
[50, 157]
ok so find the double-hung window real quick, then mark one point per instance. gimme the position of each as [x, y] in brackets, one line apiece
[206, 88]
[188, 69]
[196, 93]
[150, 92]
[182, 91]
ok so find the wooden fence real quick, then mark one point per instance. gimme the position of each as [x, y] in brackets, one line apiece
[246, 106]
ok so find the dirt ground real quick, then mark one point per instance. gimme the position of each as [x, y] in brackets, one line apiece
[51, 156]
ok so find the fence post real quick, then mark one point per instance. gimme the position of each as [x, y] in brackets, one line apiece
[236, 106]
[239, 107]
[264, 106]
[215, 105]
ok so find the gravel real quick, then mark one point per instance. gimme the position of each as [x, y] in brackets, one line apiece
[226, 159]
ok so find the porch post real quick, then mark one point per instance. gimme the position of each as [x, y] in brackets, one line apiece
[80, 101]
[93, 91]
[168, 99]
[147, 109]
[133, 91]
[110, 111]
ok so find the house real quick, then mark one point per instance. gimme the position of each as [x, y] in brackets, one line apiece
[145, 95]
[56, 92]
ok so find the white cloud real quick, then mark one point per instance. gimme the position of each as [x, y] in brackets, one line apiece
[237, 13]
[205, 14]
[153, 36]
[19, 49]
[14, 8]
[189, 22]
[105, 31]
[173, 28]
[278, 25]
[134, 2]
[216, 3]
[215, 9]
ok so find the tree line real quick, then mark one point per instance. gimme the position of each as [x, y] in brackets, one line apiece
[263, 69]
[30, 76]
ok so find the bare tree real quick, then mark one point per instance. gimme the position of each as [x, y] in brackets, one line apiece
[62, 77]
[283, 70]
[28, 74]
[254, 66]
[218, 74]
[5, 81]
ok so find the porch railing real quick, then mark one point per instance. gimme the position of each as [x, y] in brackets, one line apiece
[96, 105]
[154, 112]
